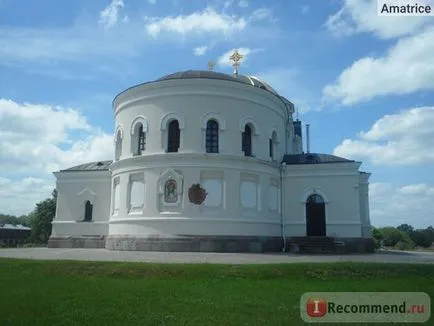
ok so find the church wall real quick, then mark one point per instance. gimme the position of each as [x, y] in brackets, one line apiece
[364, 204]
[193, 103]
[222, 214]
[337, 184]
[74, 189]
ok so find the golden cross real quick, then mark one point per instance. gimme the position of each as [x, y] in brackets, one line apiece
[236, 57]
[211, 65]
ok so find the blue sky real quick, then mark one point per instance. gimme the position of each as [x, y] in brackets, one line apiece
[364, 83]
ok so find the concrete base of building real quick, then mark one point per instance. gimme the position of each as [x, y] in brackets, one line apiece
[77, 242]
[192, 243]
[197, 244]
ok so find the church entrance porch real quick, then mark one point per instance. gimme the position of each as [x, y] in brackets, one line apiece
[315, 216]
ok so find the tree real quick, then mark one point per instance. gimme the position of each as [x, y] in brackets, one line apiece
[423, 238]
[392, 236]
[406, 228]
[41, 218]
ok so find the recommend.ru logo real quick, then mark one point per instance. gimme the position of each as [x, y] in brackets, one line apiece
[355, 307]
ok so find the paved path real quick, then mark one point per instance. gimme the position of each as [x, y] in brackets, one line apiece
[216, 258]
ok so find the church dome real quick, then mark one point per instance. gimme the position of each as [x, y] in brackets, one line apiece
[207, 74]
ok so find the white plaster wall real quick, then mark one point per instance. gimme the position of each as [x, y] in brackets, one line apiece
[225, 216]
[337, 183]
[364, 204]
[193, 102]
[73, 190]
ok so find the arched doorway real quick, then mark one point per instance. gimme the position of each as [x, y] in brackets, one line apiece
[315, 216]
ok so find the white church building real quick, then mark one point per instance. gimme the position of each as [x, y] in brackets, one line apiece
[206, 161]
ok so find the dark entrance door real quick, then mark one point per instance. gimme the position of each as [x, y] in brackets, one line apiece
[315, 216]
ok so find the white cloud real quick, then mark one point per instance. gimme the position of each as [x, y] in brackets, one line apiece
[200, 50]
[243, 3]
[109, 16]
[36, 140]
[207, 20]
[41, 138]
[392, 206]
[261, 14]
[404, 138]
[406, 68]
[360, 16]
[19, 197]
[152, 2]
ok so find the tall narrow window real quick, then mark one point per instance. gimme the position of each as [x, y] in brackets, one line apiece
[118, 146]
[142, 140]
[273, 145]
[212, 136]
[173, 137]
[88, 208]
[270, 145]
[247, 141]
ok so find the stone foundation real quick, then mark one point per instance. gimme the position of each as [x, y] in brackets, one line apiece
[203, 243]
[77, 242]
[340, 245]
[196, 244]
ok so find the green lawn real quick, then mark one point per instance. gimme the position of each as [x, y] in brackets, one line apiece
[94, 293]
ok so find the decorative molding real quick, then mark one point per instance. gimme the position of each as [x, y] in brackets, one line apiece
[86, 189]
[119, 129]
[249, 120]
[270, 133]
[212, 116]
[314, 191]
[169, 117]
[139, 119]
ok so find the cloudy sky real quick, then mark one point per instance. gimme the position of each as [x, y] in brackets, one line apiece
[364, 83]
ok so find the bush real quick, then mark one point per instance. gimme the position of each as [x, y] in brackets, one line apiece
[403, 245]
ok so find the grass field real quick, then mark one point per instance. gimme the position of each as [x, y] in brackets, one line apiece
[95, 293]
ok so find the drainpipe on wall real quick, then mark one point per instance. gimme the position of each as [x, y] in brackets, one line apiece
[282, 205]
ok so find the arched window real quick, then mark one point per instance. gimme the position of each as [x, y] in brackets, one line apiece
[88, 208]
[273, 145]
[173, 137]
[141, 141]
[314, 199]
[118, 146]
[212, 136]
[138, 139]
[247, 141]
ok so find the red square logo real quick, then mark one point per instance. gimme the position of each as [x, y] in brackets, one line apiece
[316, 307]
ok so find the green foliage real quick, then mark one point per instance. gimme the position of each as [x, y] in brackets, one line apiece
[391, 236]
[406, 228]
[423, 238]
[14, 220]
[41, 218]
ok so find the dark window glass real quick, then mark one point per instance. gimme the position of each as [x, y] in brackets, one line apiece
[212, 137]
[173, 137]
[270, 144]
[315, 199]
[142, 140]
[88, 208]
[247, 141]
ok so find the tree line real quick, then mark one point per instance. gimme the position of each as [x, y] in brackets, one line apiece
[403, 237]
